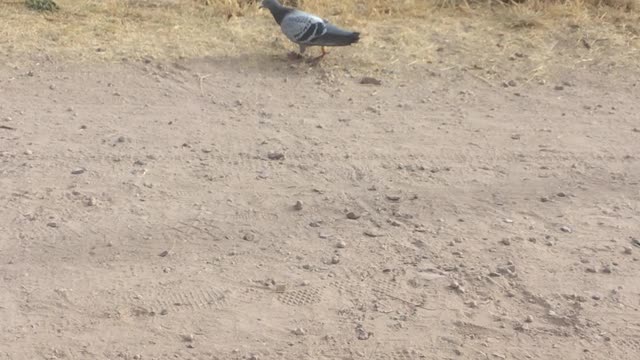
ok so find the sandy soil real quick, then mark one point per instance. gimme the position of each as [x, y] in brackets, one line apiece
[149, 212]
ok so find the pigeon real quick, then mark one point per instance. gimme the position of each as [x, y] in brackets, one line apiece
[307, 29]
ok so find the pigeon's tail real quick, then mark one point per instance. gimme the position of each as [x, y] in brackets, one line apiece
[337, 37]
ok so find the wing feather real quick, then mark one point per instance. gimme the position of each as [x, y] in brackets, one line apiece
[303, 28]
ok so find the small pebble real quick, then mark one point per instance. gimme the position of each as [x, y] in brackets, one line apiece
[566, 229]
[299, 331]
[274, 155]
[335, 260]
[249, 237]
[52, 225]
[528, 319]
[393, 197]
[341, 245]
[505, 241]
[627, 250]
[78, 171]
[508, 221]
[596, 297]
[188, 338]
[298, 206]
[353, 216]
[92, 201]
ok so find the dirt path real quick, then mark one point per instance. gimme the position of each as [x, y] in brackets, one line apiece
[149, 213]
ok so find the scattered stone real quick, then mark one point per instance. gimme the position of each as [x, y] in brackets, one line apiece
[592, 269]
[164, 253]
[188, 338]
[275, 155]
[164, 312]
[52, 225]
[596, 297]
[341, 245]
[544, 199]
[533, 240]
[393, 197]
[606, 269]
[472, 304]
[298, 205]
[558, 87]
[372, 233]
[335, 260]
[508, 221]
[324, 235]
[505, 241]
[361, 333]
[635, 242]
[78, 171]
[299, 331]
[566, 229]
[368, 80]
[249, 237]
[561, 194]
[528, 319]
[627, 250]
[353, 216]
[456, 286]
[91, 201]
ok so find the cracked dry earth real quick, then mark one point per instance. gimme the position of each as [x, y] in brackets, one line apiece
[149, 212]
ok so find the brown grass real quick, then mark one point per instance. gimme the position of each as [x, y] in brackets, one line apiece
[395, 32]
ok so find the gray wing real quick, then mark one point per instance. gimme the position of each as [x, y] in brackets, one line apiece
[303, 28]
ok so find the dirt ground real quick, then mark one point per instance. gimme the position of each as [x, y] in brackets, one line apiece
[261, 208]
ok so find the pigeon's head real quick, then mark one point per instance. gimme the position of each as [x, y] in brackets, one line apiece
[270, 4]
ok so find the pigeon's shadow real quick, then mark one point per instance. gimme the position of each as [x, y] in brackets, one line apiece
[264, 62]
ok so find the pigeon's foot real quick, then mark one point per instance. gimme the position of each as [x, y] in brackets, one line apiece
[317, 59]
[292, 55]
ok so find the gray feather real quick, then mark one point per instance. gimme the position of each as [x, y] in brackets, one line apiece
[307, 29]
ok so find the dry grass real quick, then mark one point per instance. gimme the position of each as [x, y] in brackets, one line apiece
[395, 33]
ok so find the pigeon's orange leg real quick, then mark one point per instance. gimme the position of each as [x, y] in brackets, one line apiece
[324, 52]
